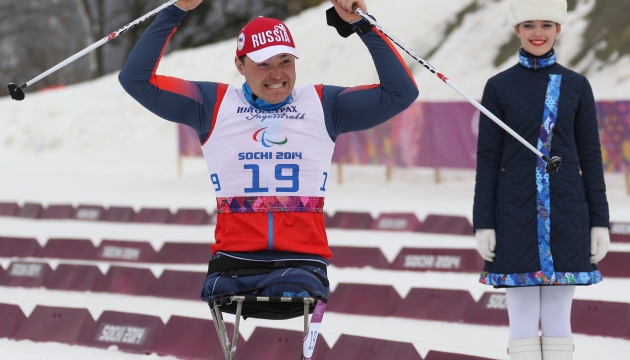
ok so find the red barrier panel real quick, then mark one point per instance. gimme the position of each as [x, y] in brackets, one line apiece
[30, 210]
[273, 344]
[361, 299]
[184, 253]
[9, 209]
[192, 217]
[12, 318]
[446, 224]
[58, 212]
[153, 215]
[80, 249]
[438, 355]
[129, 332]
[441, 135]
[620, 232]
[126, 280]
[421, 259]
[191, 338]
[74, 277]
[58, 324]
[118, 214]
[615, 264]
[491, 309]
[178, 285]
[115, 250]
[350, 220]
[436, 304]
[396, 222]
[25, 274]
[89, 212]
[350, 347]
[18, 247]
[327, 219]
[348, 256]
[600, 318]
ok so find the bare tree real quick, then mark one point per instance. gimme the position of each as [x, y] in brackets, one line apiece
[92, 14]
[34, 36]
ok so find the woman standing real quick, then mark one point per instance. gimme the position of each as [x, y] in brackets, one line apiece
[540, 234]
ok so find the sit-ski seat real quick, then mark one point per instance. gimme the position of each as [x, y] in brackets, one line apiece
[266, 285]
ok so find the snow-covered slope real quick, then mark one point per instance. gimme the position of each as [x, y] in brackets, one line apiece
[95, 128]
[467, 55]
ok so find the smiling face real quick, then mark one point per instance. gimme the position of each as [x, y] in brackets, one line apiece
[537, 36]
[271, 80]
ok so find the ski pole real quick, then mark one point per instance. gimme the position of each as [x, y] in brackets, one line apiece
[552, 164]
[17, 91]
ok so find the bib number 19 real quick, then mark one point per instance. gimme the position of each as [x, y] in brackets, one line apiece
[288, 173]
[280, 174]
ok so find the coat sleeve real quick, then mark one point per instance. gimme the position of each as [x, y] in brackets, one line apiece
[590, 155]
[489, 154]
[170, 98]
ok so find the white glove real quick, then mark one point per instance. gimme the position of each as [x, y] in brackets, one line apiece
[486, 242]
[600, 242]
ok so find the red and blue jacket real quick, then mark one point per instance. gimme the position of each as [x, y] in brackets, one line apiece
[195, 103]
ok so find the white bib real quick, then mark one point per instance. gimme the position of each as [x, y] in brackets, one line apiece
[260, 154]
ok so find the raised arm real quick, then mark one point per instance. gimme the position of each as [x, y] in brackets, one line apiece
[173, 99]
[363, 107]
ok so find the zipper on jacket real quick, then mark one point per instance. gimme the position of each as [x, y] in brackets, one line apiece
[535, 63]
[270, 229]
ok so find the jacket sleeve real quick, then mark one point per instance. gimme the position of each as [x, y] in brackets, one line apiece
[489, 154]
[364, 107]
[590, 155]
[170, 98]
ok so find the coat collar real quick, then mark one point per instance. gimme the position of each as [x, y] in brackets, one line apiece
[536, 62]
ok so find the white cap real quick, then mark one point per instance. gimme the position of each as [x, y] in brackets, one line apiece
[546, 10]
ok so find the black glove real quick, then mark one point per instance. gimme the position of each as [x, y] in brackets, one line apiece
[345, 29]
[333, 19]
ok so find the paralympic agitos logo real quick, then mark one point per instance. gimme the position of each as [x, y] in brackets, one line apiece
[260, 137]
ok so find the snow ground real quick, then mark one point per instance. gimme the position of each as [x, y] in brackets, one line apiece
[91, 144]
[410, 189]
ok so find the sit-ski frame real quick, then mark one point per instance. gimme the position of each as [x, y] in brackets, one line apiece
[217, 316]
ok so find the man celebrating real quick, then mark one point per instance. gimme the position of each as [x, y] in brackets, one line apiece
[268, 144]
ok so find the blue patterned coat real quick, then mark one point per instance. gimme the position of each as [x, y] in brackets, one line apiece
[542, 222]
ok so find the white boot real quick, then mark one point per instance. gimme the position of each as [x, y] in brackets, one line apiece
[525, 349]
[557, 348]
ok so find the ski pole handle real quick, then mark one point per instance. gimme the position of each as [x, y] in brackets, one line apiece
[552, 164]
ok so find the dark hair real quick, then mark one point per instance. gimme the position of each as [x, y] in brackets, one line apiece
[242, 59]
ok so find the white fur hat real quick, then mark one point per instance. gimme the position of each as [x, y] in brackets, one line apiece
[526, 10]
